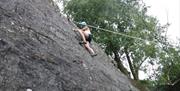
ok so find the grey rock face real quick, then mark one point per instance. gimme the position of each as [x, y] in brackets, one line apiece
[40, 52]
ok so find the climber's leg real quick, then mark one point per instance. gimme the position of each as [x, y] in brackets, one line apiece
[90, 50]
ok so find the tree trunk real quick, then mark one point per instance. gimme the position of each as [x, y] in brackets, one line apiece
[136, 75]
[119, 63]
[132, 68]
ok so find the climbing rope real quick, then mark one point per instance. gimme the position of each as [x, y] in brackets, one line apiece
[118, 33]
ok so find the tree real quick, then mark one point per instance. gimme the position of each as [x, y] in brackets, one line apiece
[170, 66]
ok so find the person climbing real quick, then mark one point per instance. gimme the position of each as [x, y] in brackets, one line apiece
[86, 35]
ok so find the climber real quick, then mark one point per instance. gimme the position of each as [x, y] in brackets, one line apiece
[86, 37]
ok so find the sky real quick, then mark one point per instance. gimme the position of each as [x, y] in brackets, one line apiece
[165, 11]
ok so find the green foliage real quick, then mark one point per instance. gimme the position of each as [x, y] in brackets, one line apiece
[170, 70]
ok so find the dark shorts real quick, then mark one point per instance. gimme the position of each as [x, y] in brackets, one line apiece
[89, 38]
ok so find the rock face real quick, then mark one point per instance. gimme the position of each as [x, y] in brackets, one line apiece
[40, 52]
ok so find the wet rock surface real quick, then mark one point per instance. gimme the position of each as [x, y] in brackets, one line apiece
[40, 52]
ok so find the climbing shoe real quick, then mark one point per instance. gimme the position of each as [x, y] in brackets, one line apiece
[95, 54]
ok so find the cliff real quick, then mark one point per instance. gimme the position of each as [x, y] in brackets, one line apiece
[39, 51]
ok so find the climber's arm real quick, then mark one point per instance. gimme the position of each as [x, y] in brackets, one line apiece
[81, 33]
